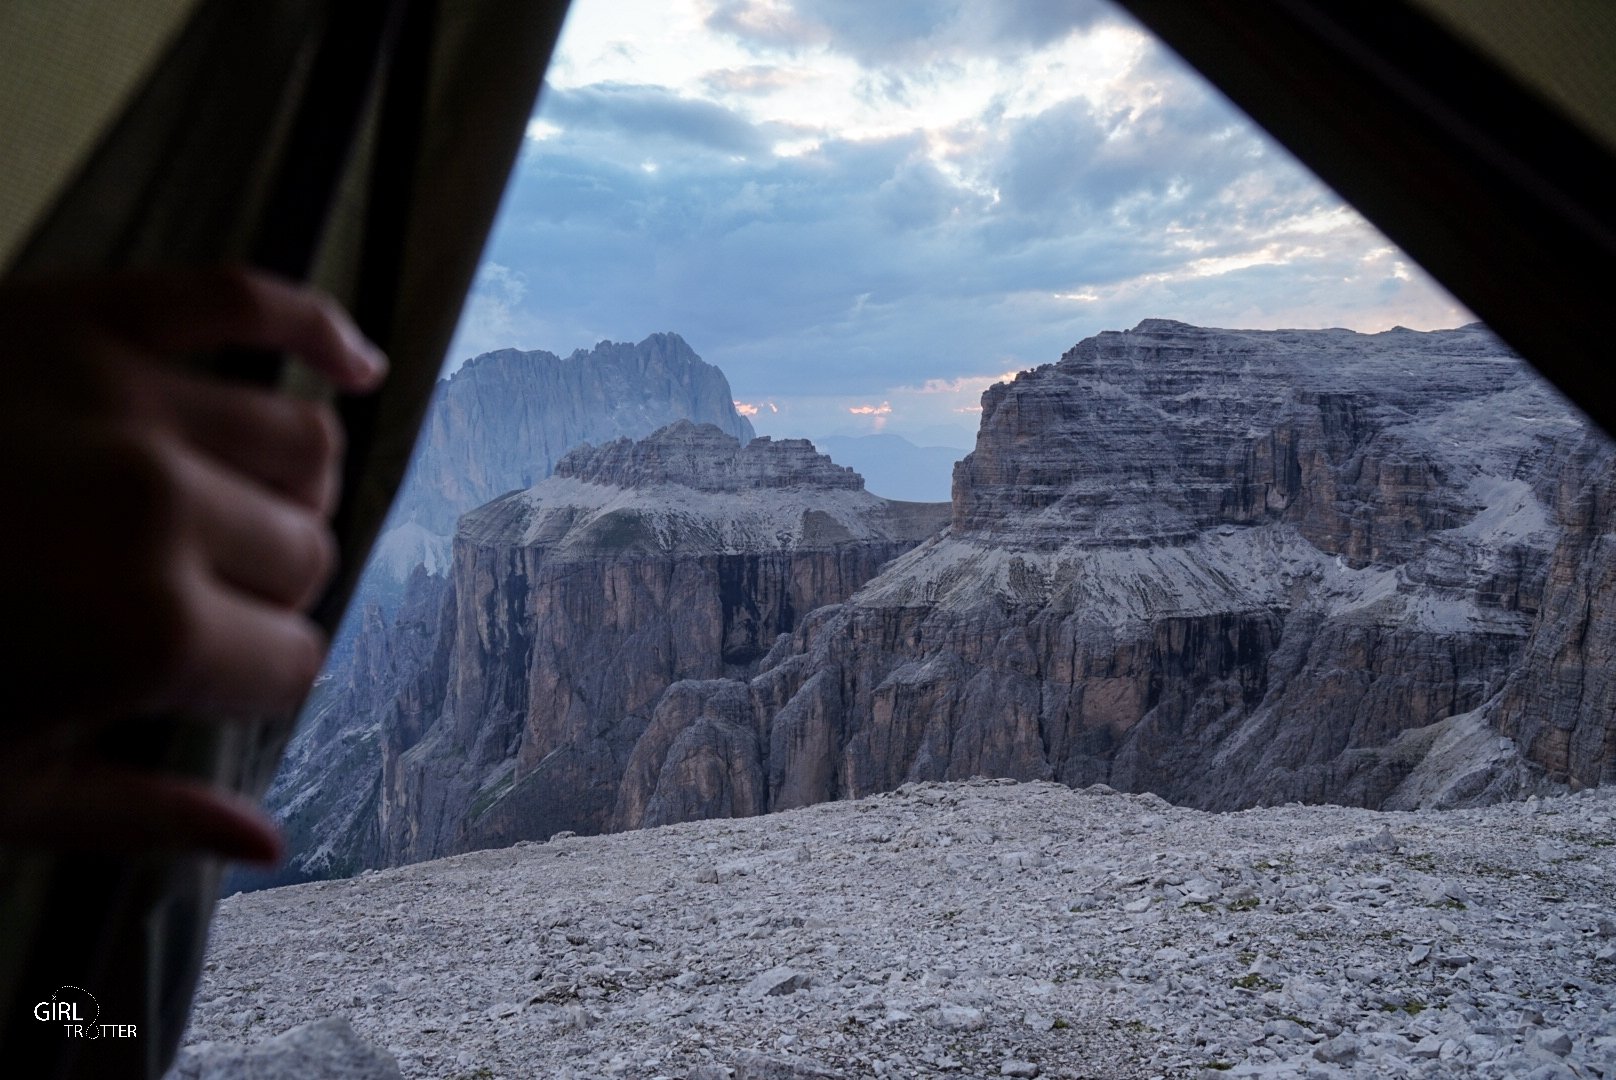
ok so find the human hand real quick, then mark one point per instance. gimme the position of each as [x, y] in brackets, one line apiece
[168, 533]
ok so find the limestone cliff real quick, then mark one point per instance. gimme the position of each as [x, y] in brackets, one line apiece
[1228, 567]
[499, 423]
[503, 419]
[575, 605]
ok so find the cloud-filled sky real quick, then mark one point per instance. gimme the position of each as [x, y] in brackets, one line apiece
[866, 213]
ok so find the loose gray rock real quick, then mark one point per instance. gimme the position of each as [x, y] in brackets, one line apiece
[960, 1018]
[750, 1065]
[775, 982]
[925, 960]
[1554, 1041]
[328, 1049]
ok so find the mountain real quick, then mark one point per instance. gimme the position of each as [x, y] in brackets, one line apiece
[1235, 568]
[497, 424]
[503, 420]
[677, 560]
[1231, 568]
[514, 696]
[894, 467]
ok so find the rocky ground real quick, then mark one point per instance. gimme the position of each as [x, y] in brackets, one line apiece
[974, 929]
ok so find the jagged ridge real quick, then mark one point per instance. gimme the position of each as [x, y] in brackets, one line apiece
[1231, 567]
[577, 603]
[703, 458]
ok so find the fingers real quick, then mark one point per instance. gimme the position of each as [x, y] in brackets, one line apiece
[186, 310]
[290, 446]
[114, 810]
[261, 543]
[244, 653]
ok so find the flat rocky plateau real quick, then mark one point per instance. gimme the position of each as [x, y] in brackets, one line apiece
[974, 929]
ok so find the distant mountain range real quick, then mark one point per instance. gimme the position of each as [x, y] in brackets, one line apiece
[1229, 567]
[499, 423]
[503, 419]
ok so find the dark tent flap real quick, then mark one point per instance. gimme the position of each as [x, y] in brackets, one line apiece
[363, 144]
[1482, 179]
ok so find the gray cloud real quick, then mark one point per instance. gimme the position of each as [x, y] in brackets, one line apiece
[652, 113]
[862, 264]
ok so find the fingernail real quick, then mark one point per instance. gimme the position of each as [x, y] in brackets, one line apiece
[370, 363]
[377, 360]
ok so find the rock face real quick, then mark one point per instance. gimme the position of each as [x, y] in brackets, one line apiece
[1234, 568]
[502, 421]
[1560, 702]
[1231, 568]
[576, 604]
[499, 423]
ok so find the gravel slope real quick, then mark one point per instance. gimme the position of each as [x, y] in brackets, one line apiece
[975, 929]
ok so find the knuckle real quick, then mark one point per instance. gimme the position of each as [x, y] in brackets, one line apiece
[306, 560]
[299, 654]
[319, 555]
[168, 647]
[321, 438]
[148, 483]
[238, 293]
[308, 656]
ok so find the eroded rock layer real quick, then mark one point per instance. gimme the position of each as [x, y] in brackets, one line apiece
[1228, 567]
[1232, 568]
[576, 604]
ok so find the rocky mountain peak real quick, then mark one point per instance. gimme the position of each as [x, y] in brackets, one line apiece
[504, 418]
[1154, 434]
[704, 458]
[1228, 567]
[665, 349]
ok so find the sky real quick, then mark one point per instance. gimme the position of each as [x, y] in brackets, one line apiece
[867, 213]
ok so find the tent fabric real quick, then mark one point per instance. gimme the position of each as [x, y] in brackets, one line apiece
[60, 93]
[1561, 49]
[179, 129]
[361, 144]
[1468, 166]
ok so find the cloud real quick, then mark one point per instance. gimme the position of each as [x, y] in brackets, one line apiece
[652, 113]
[970, 384]
[981, 211]
[878, 415]
[754, 79]
[495, 313]
[877, 33]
